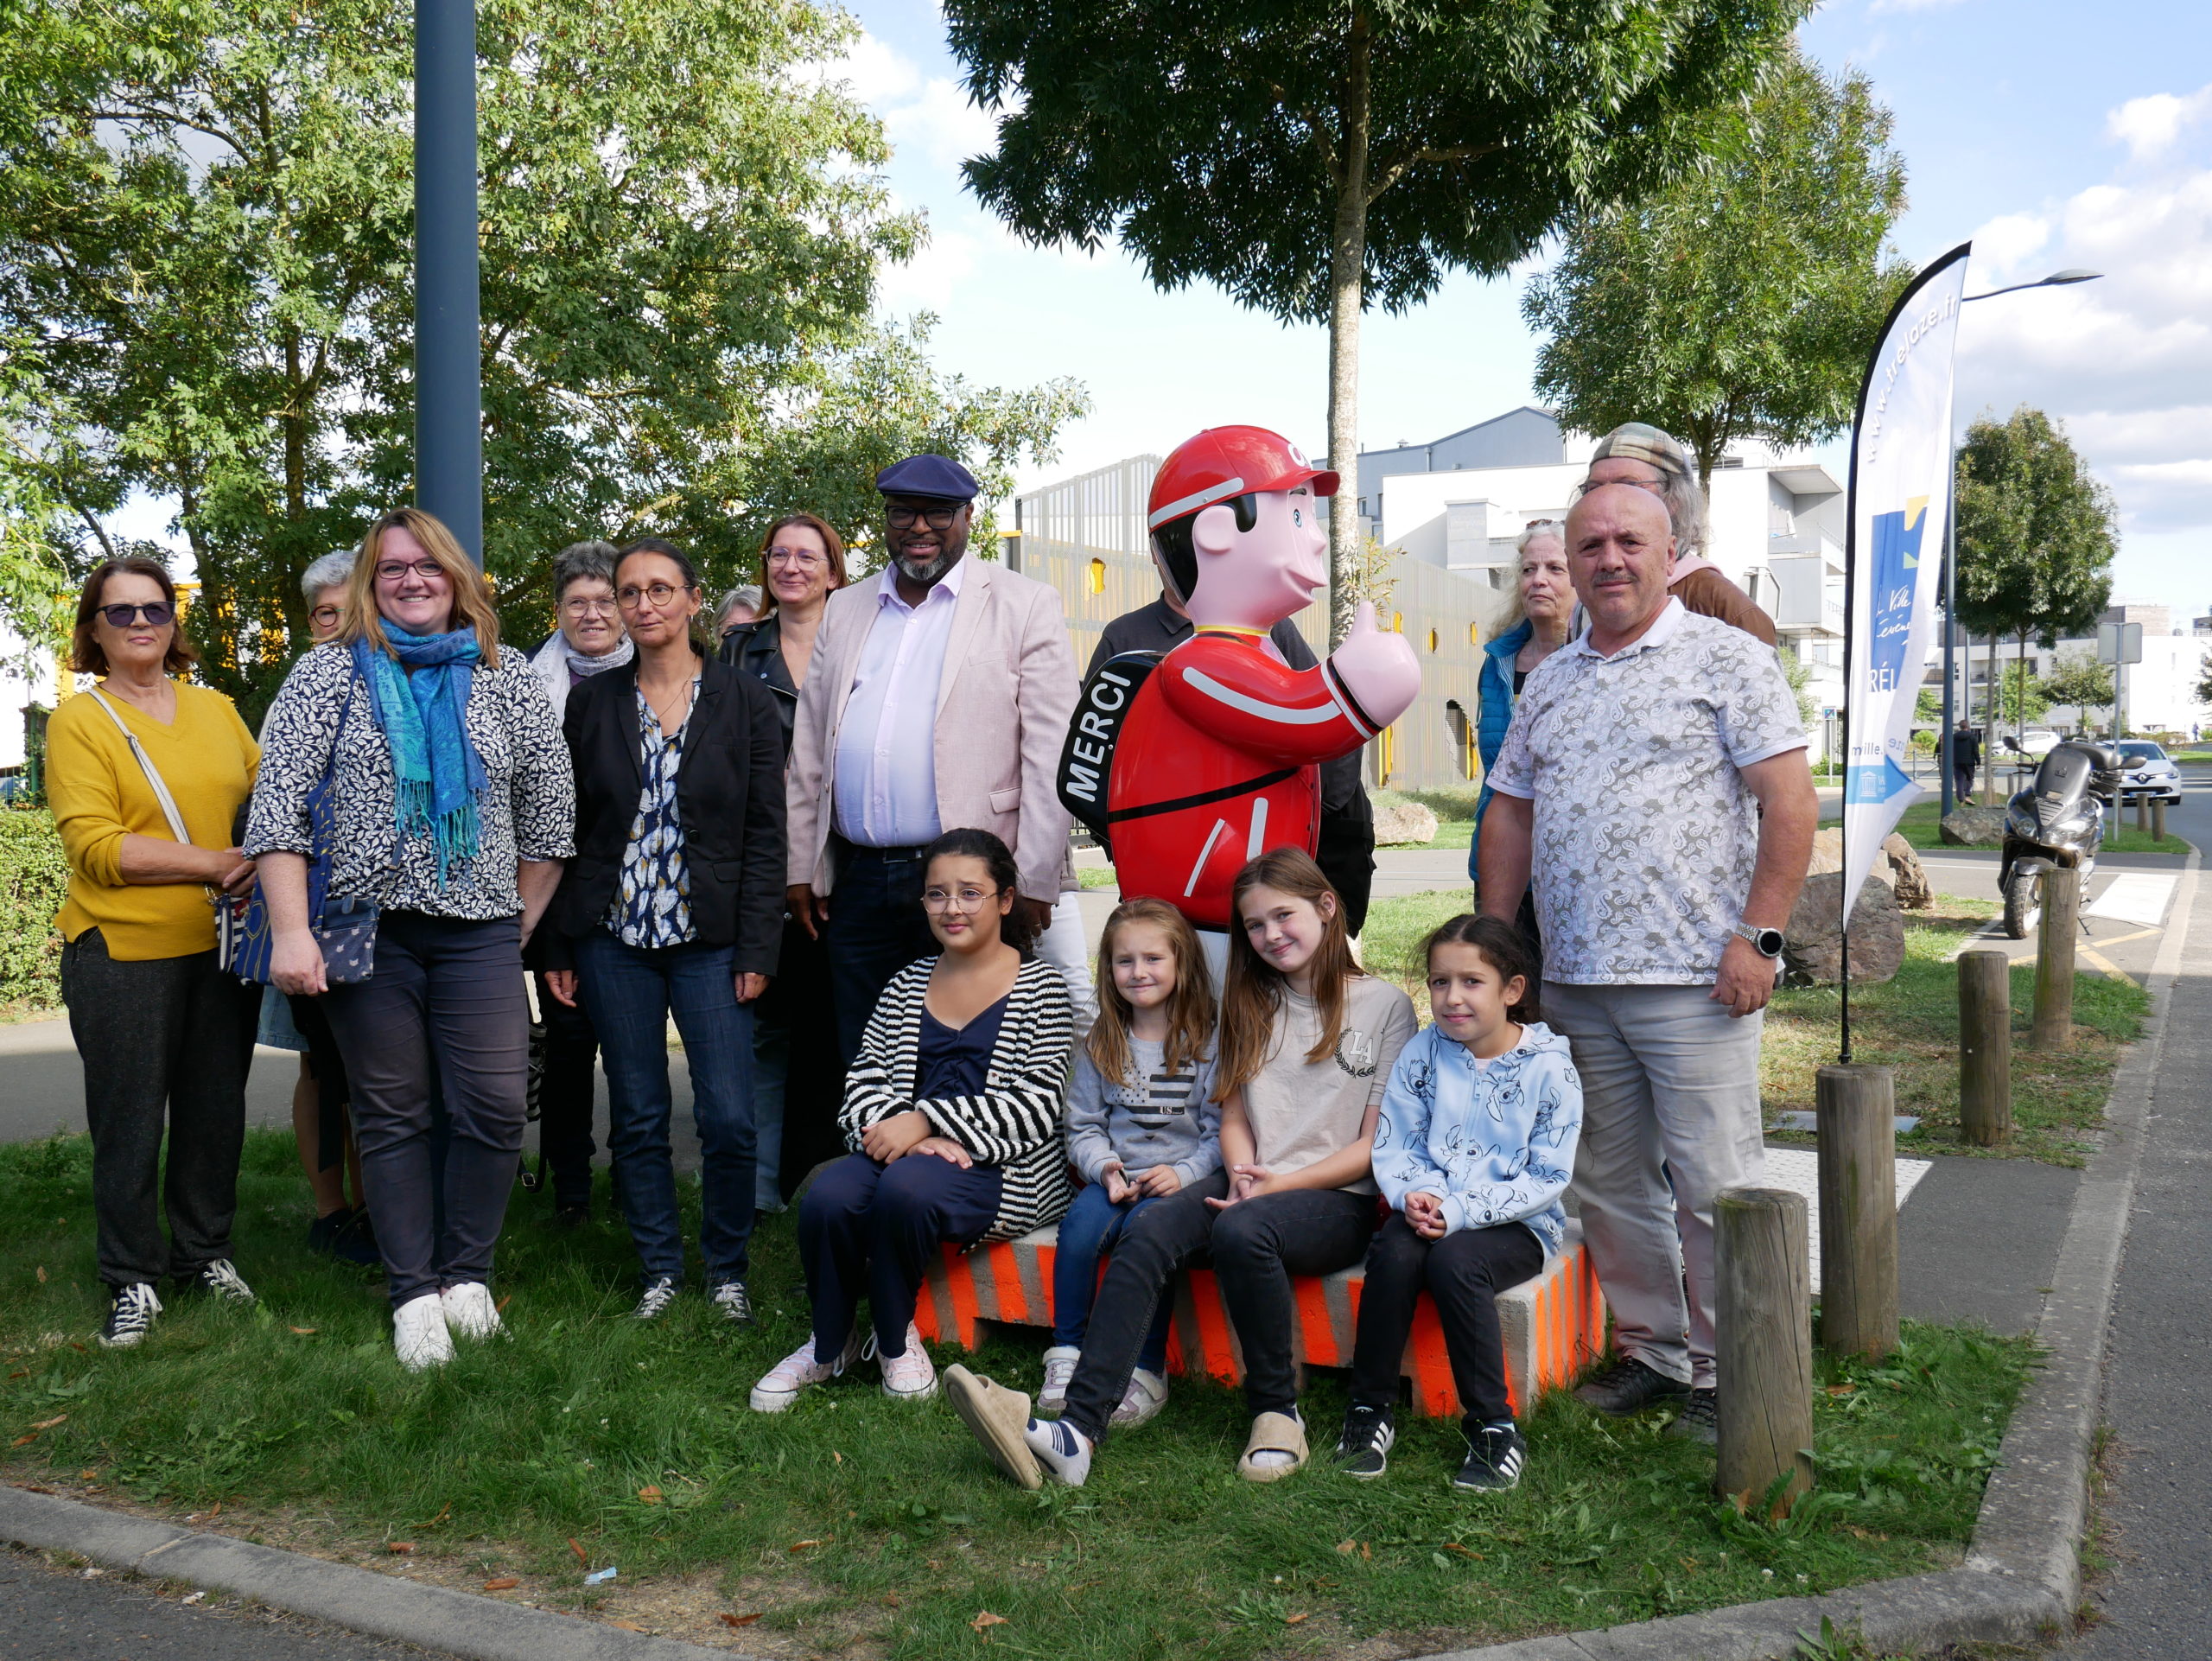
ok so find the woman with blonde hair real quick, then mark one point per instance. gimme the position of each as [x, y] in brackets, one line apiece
[1543, 610]
[451, 807]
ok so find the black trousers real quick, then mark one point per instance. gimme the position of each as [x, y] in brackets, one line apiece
[1463, 1273]
[876, 928]
[165, 1042]
[446, 1007]
[1257, 1246]
[1161, 1239]
[795, 1053]
[566, 1094]
[871, 1231]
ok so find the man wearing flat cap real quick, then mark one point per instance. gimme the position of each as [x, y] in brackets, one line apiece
[940, 695]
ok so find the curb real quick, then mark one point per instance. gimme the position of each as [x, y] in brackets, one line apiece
[360, 1599]
[2022, 1575]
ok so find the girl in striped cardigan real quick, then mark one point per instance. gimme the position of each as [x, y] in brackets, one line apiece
[952, 1110]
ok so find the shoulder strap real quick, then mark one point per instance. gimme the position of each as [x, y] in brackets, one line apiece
[153, 774]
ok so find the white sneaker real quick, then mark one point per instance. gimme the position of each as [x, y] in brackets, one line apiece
[1146, 1396]
[780, 1386]
[910, 1377]
[469, 1310]
[1060, 1368]
[659, 1292]
[419, 1334]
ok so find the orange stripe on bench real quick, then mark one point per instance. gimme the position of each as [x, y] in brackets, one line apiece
[1216, 1356]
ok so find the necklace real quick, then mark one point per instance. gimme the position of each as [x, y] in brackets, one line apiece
[661, 713]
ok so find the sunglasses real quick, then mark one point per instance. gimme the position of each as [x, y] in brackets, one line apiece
[160, 615]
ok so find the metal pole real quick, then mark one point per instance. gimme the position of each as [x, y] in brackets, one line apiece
[1951, 634]
[449, 373]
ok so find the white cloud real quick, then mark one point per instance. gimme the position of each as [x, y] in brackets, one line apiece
[942, 124]
[2149, 127]
[2003, 243]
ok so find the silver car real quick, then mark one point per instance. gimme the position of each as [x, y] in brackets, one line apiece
[2146, 770]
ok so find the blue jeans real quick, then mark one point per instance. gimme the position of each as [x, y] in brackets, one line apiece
[1091, 1229]
[630, 994]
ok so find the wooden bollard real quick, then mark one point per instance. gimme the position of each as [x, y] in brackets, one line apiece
[1857, 1119]
[2143, 813]
[2053, 1029]
[1985, 1047]
[1763, 1339]
[2159, 819]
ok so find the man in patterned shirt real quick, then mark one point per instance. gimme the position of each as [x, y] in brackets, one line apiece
[1655, 778]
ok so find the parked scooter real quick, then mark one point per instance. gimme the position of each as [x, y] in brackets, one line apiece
[2055, 824]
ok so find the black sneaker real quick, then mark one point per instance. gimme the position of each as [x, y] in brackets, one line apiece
[356, 1240]
[322, 1233]
[1495, 1456]
[659, 1292]
[131, 1316]
[571, 1216]
[1628, 1386]
[1700, 1419]
[1364, 1449]
[733, 1302]
[220, 1279]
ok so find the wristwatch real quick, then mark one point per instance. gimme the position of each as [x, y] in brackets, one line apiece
[1768, 941]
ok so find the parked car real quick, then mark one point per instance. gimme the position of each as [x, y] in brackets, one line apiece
[2148, 770]
[2035, 741]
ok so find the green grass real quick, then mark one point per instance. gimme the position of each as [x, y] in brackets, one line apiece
[854, 1523]
[1922, 827]
[1390, 943]
[1912, 1024]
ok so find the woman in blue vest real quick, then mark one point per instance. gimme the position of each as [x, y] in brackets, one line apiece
[1543, 609]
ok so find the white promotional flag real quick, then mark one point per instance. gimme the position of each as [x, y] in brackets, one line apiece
[1900, 505]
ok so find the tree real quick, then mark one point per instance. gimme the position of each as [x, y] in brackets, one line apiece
[2036, 537]
[1315, 160]
[206, 223]
[2079, 679]
[1742, 301]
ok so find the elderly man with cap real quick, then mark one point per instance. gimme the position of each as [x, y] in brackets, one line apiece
[1654, 781]
[1634, 454]
[939, 698]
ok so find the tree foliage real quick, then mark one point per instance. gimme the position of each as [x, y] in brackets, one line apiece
[1314, 160]
[2079, 679]
[2037, 533]
[206, 274]
[1742, 301]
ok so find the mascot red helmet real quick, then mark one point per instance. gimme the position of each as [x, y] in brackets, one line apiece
[1222, 462]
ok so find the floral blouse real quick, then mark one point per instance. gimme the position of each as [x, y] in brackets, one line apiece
[652, 899]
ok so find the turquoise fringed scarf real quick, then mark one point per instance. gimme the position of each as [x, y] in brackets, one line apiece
[437, 775]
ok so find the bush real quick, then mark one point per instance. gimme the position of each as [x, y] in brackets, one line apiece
[33, 878]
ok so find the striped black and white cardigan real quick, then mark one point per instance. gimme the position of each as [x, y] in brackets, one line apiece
[1015, 1125]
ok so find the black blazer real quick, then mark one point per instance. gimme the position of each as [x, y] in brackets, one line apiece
[729, 799]
[756, 650]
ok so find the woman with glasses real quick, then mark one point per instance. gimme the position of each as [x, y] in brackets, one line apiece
[1543, 610]
[165, 1035]
[453, 807]
[674, 905]
[796, 1082]
[952, 1112]
[589, 642]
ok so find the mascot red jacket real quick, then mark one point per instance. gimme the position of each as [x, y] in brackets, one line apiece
[1190, 764]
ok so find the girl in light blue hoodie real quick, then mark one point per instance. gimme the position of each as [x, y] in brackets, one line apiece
[1474, 1147]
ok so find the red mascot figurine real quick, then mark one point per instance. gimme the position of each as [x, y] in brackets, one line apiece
[1189, 764]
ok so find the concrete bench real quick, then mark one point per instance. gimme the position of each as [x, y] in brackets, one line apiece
[1553, 1324]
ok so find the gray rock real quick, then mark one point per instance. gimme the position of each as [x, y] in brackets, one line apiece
[1812, 946]
[1407, 825]
[1974, 827]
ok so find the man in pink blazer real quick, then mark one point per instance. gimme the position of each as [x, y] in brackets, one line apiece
[939, 697]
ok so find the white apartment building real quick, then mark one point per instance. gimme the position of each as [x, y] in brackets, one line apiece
[1776, 527]
[2158, 695]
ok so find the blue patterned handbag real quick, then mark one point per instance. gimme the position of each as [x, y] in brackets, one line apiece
[345, 927]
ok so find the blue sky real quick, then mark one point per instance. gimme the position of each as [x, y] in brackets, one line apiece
[2052, 134]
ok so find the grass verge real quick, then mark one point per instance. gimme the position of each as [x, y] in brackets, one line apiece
[1922, 826]
[1912, 1024]
[855, 1527]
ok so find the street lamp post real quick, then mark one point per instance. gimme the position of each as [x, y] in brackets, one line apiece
[448, 371]
[2056, 279]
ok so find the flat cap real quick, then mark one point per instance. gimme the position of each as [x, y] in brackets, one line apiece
[1637, 441]
[929, 475]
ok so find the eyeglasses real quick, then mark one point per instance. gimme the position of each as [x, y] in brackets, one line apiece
[160, 615]
[659, 593]
[805, 558]
[392, 571]
[586, 608]
[940, 518]
[326, 616]
[968, 899]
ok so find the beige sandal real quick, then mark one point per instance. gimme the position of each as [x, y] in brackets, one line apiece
[1273, 1433]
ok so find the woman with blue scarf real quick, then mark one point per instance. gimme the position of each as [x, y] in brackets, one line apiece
[451, 809]
[1543, 610]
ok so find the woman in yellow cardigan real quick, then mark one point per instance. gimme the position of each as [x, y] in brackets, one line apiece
[164, 1034]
